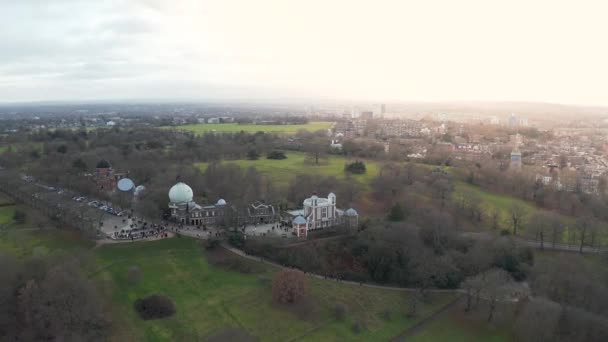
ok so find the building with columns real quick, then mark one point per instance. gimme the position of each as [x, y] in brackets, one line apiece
[320, 213]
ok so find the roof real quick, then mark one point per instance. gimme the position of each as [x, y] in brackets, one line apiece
[221, 201]
[299, 220]
[351, 212]
[103, 164]
[180, 193]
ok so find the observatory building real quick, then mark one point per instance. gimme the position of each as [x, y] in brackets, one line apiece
[319, 213]
[185, 210]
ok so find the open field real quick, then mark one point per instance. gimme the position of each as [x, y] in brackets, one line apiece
[502, 202]
[283, 171]
[251, 128]
[210, 300]
[6, 214]
[21, 243]
[495, 202]
[455, 327]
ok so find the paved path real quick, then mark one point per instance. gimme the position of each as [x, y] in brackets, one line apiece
[99, 243]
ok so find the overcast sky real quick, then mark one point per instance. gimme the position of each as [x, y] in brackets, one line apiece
[425, 50]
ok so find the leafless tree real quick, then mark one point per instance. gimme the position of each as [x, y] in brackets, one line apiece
[517, 213]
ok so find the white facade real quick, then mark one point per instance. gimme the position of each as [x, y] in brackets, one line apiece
[320, 212]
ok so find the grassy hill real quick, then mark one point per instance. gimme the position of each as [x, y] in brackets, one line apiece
[283, 171]
[212, 299]
[251, 128]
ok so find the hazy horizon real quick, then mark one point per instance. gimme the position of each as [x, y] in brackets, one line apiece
[389, 51]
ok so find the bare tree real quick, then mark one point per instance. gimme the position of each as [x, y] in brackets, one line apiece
[584, 227]
[538, 321]
[517, 213]
[543, 223]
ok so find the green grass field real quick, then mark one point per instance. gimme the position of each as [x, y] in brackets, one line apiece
[283, 171]
[493, 201]
[502, 203]
[251, 128]
[210, 300]
[455, 328]
[21, 243]
[6, 214]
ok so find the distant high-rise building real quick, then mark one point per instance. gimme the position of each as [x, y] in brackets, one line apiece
[515, 159]
[367, 115]
[513, 122]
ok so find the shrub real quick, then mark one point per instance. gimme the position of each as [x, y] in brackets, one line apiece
[340, 311]
[236, 240]
[386, 315]
[253, 155]
[397, 213]
[357, 167]
[289, 286]
[276, 155]
[134, 275]
[154, 307]
[19, 217]
[505, 232]
[359, 326]
[212, 243]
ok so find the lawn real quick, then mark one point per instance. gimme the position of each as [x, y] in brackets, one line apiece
[6, 214]
[493, 201]
[22, 243]
[454, 327]
[283, 171]
[210, 300]
[502, 203]
[251, 128]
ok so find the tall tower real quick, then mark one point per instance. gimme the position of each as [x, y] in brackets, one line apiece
[515, 159]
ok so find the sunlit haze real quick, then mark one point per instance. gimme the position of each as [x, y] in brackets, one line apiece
[542, 50]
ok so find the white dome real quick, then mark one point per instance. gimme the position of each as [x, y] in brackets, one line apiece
[351, 212]
[180, 193]
[331, 194]
[221, 201]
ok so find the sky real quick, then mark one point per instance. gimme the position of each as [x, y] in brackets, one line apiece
[380, 50]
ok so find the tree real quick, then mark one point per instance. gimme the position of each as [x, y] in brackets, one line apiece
[316, 148]
[154, 307]
[541, 224]
[19, 216]
[278, 155]
[397, 213]
[289, 286]
[63, 149]
[517, 214]
[585, 226]
[495, 284]
[357, 167]
[62, 306]
[538, 321]
[494, 215]
[253, 155]
[79, 165]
